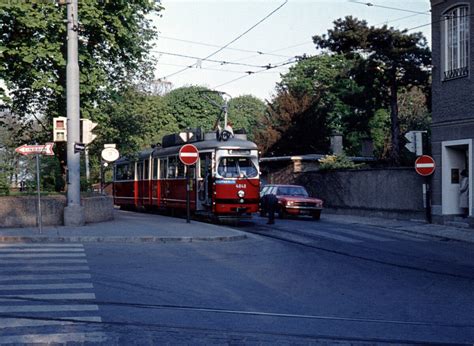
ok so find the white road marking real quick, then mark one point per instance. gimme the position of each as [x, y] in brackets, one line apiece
[47, 339]
[44, 277]
[335, 236]
[42, 255]
[364, 235]
[23, 267]
[42, 261]
[57, 296]
[47, 308]
[25, 322]
[43, 269]
[39, 245]
[45, 286]
[36, 250]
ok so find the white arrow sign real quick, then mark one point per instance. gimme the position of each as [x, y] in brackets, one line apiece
[44, 149]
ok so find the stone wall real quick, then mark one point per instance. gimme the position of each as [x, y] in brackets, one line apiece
[22, 211]
[394, 192]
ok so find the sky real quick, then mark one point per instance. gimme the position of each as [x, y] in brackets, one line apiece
[190, 31]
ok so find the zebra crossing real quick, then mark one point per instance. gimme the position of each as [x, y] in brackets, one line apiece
[350, 235]
[46, 295]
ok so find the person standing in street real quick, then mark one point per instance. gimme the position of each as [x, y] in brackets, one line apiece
[464, 193]
[271, 202]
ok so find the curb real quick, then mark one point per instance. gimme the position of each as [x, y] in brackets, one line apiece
[92, 239]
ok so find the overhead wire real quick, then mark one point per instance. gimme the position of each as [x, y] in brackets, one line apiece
[255, 72]
[398, 19]
[369, 4]
[259, 53]
[209, 68]
[221, 62]
[228, 48]
[232, 41]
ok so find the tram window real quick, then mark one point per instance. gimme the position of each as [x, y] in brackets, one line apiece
[155, 168]
[140, 171]
[203, 160]
[234, 167]
[146, 172]
[180, 170]
[163, 168]
[123, 172]
[172, 163]
[192, 171]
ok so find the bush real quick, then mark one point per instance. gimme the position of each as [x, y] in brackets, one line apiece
[4, 185]
[330, 162]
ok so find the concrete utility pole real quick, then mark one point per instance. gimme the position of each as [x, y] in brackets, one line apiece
[74, 212]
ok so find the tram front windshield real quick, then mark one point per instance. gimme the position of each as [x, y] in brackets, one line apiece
[237, 167]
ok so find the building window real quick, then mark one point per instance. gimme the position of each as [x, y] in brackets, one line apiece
[456, 42]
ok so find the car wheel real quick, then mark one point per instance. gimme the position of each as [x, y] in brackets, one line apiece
[317, 215]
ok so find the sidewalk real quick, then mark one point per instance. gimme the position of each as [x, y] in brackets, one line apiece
[132, 227]
[127, 227]
[407, 226]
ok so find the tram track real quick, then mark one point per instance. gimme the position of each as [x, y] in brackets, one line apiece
[308, 337]
[311, 241]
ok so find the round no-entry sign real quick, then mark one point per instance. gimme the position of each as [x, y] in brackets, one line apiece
[188, 154]
[425, 165]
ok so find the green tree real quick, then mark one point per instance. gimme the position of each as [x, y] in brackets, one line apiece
[114, 40]
[394, 59]
[134, 120]
[247, 112]
[316, 97]
[191, 108]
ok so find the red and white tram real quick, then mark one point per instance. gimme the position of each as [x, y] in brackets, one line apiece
[224, 181]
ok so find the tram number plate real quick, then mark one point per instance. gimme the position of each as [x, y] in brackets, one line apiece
[241, 186]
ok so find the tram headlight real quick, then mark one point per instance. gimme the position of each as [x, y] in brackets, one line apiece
[241, 193]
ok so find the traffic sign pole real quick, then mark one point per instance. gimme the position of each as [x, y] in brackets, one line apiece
[39, 213]
[188, 195]
[427, 198]
[425, 166]
[188, 154]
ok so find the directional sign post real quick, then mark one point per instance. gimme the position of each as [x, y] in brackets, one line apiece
[37, 150]
[188, 154]
[44, 149]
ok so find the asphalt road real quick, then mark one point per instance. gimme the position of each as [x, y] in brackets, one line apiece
[297, 282]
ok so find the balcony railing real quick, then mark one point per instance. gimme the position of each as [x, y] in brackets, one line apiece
[456, 73]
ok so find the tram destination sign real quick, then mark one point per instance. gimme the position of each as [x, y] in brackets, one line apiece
[188, 154]
[42, 149]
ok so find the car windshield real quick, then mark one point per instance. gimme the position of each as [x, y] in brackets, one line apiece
[235, 167]
[292, 191]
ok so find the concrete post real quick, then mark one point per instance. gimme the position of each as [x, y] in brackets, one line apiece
[74, 212]
[336, 143]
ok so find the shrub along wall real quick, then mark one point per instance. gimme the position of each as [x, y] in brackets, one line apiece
[21, 211]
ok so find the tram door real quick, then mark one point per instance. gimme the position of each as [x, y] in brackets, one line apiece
[204, 182]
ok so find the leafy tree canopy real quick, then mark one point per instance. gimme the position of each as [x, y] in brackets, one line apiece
[395, 58]
[114, 42]
[247, 112]
[191, 108]
[318, 96]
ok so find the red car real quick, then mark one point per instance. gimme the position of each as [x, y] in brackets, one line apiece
[292, 200]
